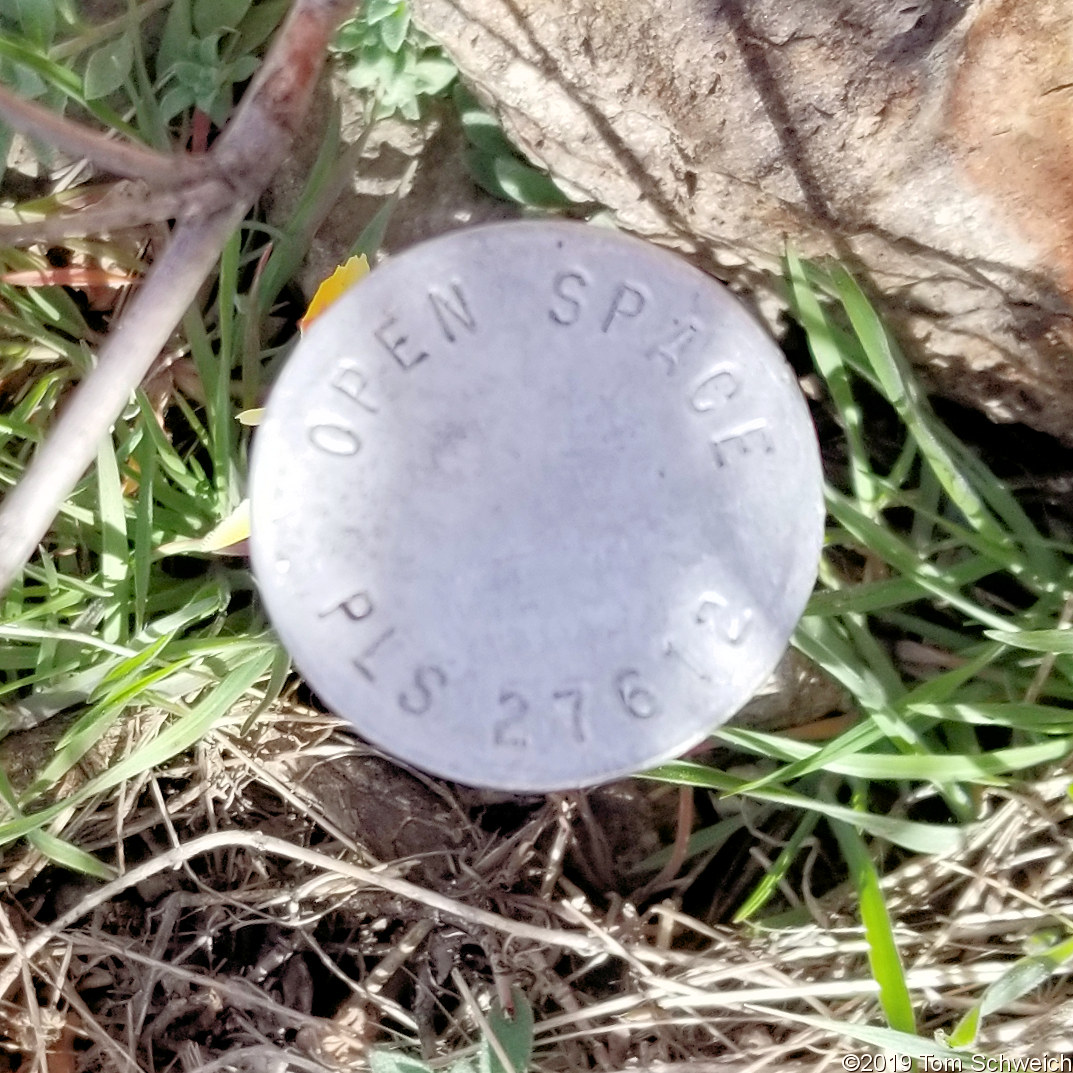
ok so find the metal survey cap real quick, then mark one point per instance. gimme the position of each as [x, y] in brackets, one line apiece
[535, 505]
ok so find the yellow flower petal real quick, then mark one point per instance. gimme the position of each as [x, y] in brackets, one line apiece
[252, 417]
[234, 529]
[341, 280]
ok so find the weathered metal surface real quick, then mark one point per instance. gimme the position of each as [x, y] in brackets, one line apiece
[536, 505]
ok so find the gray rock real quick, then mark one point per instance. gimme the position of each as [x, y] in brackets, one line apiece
[927, 144]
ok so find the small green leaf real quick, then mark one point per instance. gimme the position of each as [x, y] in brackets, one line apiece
[514, 1034]
[481, 128]
[242, 69]
[393, 29]
[25, 82]
[37, 20]
[508, 177]
[215, 106]
[377, 70]
[433, 73]
[175, 40]
[382, 1061]
[260, 23]
[176, 100]
[206, 50]
[211, 16]
[108, 67]
[379, 10]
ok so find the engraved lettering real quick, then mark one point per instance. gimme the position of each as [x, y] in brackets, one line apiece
[672, 651]
[428, 680]
[446, 312]
[628, 302]
[361, 662]
[578, 281]
[352, 382]
[394, 341]
[569, 702]
[672, 349]
[638, 700]
[511, 730]
[747, 437]
[334, 439]
[719, 386]
[356, 607]
[715, 611]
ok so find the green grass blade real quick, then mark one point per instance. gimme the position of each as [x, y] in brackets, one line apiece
[114, 546]
[91, 726]
[1057, 641]
[940, 768]
[823, 640]
[888, 1041]
[280, 672]
[1020, 978]
[1018, 716]
[142, 556]
[943, 686]
[849, 743]
[181, 733]
[830, 361]
[902, 393]
[703, 841]
[871, 596]
[67, 855]
[215, 372]
[56, 849]
[290, 247]
[905, 559]
[189, 482]
[882, 948]
[762, 892]
[910, 834]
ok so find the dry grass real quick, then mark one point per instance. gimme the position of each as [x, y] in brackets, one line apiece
[289, 900]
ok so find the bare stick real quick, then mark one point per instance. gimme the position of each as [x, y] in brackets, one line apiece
[129, 209]
[129, 350]
[119, 158]
[244, 158]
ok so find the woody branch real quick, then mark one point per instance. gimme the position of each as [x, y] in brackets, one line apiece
[228, 179]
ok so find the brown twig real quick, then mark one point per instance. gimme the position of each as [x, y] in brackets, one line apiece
[232, 175]
[128, 159]
[125, 205]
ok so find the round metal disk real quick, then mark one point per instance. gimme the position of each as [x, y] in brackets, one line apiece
[536, 505]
